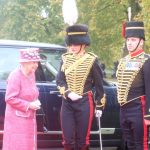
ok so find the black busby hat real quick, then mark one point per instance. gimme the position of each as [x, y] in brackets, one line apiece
[77, 34]
[134, 29]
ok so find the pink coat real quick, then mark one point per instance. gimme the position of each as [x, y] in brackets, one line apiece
[20, 131]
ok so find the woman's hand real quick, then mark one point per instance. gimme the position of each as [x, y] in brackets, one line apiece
[35, 105]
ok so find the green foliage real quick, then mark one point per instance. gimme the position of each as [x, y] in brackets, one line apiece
[104, 18]
[136, 8]
[26, 20]
[23, 20]
[146, 18]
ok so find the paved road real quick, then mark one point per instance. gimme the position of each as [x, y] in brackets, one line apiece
[105, 148]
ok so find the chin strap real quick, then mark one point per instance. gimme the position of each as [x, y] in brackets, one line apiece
[137, 45]
[80, 49]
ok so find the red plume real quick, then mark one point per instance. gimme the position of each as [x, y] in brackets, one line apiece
[123, 29]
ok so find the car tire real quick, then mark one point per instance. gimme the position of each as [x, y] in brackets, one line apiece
[123, 146]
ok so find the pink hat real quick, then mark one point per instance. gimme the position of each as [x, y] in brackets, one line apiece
[28, 55]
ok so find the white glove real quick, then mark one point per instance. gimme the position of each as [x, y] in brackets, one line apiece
[35, 105]
[37, 102]
[98, 113]
[73, 96]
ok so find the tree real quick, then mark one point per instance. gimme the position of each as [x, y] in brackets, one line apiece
[104, 18]
[23, 20]
[42, 21]
[145, 15]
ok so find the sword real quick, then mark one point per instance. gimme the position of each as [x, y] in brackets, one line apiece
[100, 133]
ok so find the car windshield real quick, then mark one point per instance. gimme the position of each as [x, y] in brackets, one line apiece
[9, 60]
[52, 57]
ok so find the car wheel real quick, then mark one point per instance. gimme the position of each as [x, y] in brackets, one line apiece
[123, 146]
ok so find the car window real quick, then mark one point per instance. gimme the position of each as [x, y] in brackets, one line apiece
[45, 74]
[52, 56]
[50, 62]
[8, 61]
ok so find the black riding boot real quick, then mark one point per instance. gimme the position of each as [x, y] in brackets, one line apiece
[67, 147]
[85, 147]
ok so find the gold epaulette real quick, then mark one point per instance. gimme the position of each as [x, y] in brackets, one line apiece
[102, 102]
[62, 90]
[66, 54]
[92, 54]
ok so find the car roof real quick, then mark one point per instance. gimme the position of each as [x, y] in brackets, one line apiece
[29, 44]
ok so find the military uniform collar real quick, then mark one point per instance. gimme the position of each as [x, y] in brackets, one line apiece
[137, 53]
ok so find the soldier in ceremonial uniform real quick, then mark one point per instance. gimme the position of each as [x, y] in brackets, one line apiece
[134, 88]
[79, 72]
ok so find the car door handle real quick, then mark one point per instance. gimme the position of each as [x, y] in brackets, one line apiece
[55, 92]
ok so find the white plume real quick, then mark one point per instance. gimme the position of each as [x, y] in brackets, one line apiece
[129, 13]
[70, 12]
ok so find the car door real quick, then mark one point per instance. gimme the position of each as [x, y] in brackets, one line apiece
[49, 130]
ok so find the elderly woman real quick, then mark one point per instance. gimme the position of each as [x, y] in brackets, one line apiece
[21, 104]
